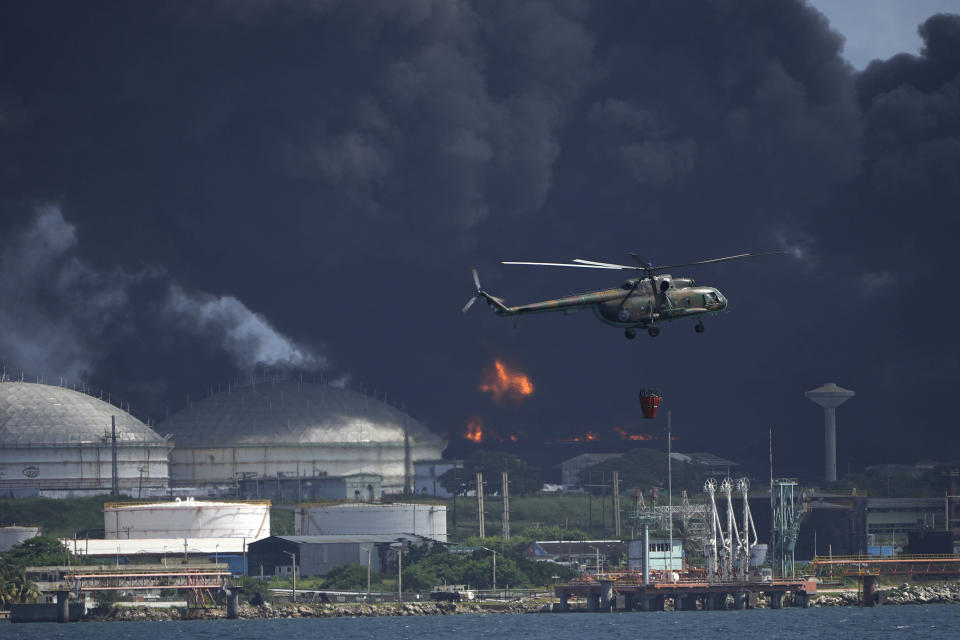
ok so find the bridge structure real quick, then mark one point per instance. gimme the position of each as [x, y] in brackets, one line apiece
[901, 565]
[202, 582]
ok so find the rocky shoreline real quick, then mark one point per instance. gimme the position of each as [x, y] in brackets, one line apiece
[904, 594]
[290, 610]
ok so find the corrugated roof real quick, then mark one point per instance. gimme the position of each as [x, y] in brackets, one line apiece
[350, 538]
[155, 546]
[292, 412]
[33, 414]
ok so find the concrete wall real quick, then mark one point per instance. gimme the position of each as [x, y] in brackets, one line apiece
[43, 612]
[211, 465]
[83, 466]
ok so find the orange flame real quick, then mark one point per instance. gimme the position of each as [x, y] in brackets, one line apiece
[478, 432]
[632, 436]
[474, 431]
[503, 383]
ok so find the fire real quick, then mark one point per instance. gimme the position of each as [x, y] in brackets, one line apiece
[589, 436]
[632, 436]
[474, 430]
[502, 383]
[477, 432]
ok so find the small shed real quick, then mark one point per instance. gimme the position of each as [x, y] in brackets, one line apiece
[660, 557]
[316, 555]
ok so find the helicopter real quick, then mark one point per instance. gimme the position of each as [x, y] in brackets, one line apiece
[643, 302]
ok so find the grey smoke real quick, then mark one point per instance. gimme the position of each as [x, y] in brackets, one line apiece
[61, 316]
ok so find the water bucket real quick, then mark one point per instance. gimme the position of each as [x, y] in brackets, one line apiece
[650, 402]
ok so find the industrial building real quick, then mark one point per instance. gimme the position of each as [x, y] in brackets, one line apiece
[186, 518]
[426, 520]
[56, 441]
[275, 431]
[427, 476]
[570, 469]
[316, 555]
[362, 487]
[661, 558]
[589, 555]
[890, 521]
[167, 552]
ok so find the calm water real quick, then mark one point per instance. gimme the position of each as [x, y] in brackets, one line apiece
[904, 622]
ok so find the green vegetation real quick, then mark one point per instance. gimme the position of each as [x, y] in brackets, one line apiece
[524, 479]
[281, 521]
[644, 469]
[430, 565]
[39, 551]
[57, 518]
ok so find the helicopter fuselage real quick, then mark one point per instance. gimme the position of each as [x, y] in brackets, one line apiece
[644, 308]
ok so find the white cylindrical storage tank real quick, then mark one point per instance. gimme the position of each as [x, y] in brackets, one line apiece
[12, 535]
[428, 520]
[57, 441]
[187, 518]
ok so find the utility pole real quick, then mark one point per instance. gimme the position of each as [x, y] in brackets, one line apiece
[293, 567]
[505, 481]
[670, 481]
[400, 574]
[368, 570]
[115, 484]
[772, 549]
[481, 531]
[616, 504]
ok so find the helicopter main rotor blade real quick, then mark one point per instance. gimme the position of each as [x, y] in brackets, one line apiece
[469, 304]
[604, 264]
[736, 257]
[566, 264]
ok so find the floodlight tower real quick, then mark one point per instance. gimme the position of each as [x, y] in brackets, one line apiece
[830, 396]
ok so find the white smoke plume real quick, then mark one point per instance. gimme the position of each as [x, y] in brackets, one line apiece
[62, 317]
[247, 336]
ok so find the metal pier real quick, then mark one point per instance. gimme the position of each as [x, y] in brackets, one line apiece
[617, 595]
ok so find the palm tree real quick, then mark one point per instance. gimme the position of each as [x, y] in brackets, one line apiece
[26, 591]
[14, 586]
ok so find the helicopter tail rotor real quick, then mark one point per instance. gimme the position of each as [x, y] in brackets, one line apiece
[476, 282]
[494, 302]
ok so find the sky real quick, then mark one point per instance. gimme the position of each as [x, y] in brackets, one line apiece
[880, 29]
[190, 192]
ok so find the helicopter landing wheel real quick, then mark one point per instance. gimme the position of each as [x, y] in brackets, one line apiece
[653, 331]
[630, 333]
[700, 328]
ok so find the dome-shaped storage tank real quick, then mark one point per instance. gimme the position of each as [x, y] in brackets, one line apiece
[285, 430]
[56, 440]
[187, 518]
[428, 520]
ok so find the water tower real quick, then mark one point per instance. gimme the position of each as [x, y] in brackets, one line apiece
[830, 396]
